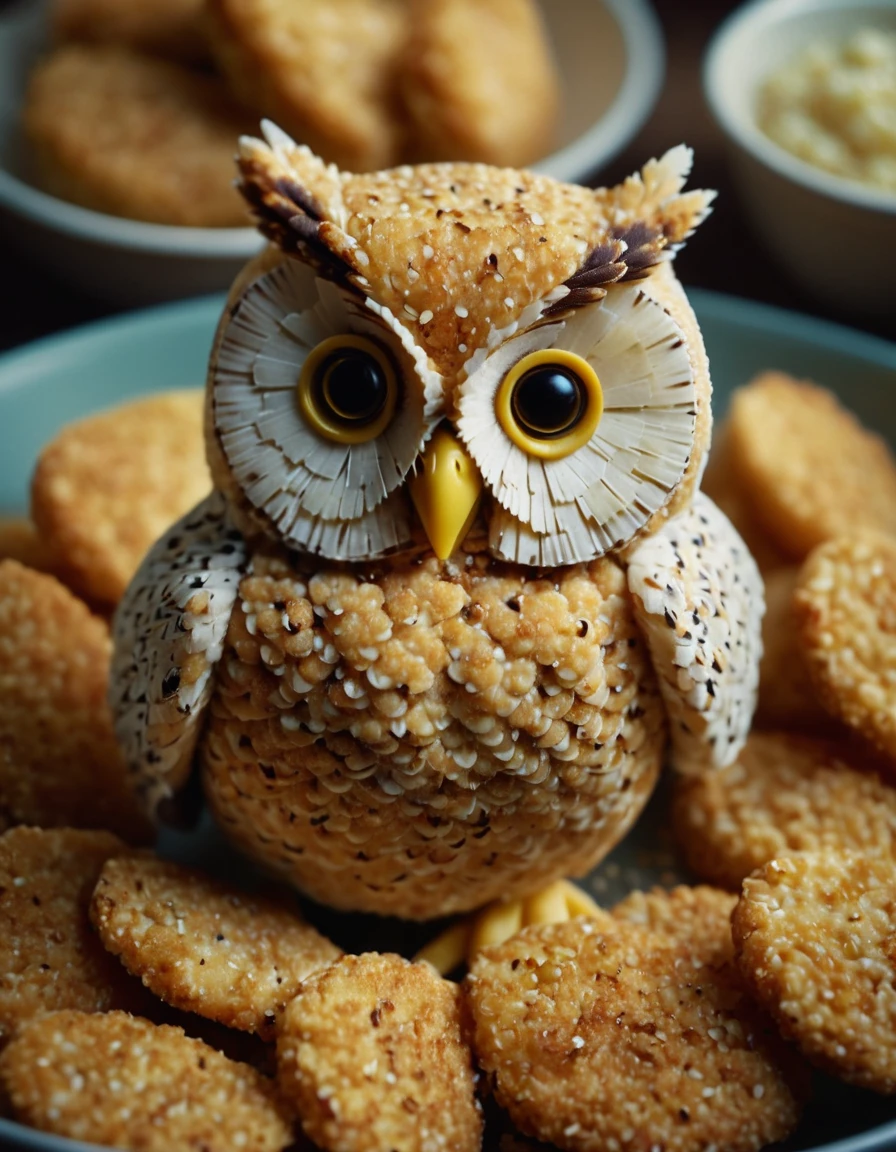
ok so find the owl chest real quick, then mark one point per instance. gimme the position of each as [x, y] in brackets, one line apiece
[418, 673]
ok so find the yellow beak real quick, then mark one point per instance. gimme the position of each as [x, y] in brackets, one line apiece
[446, 491]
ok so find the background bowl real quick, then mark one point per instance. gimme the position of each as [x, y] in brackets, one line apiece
[610, 56]
[836, 237]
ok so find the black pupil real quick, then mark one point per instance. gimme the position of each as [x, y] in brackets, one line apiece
[354, 385]
[548, 401]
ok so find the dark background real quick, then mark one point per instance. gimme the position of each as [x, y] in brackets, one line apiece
[724, 255]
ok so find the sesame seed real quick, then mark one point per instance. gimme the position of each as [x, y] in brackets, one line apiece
[428, 251]
[426, 316]
[460, 311]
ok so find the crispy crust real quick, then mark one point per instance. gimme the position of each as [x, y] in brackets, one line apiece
[108, 485]
[465, 100]
[845, 606]
[592, 1037]
[811, 468]
[699, 917]
[135, 136]
[784, 793]
[814, 936]
[325, 73]
[786, 696]
[59, 761]
[204, 947]
[20, 540]
[64, 1071]
[371, 1056]
[49, 957]
[167, 27]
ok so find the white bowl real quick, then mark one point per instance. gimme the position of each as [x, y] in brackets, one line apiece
[611, 62]
[836, 237]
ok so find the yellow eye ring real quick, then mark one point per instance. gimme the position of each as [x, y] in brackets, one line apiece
[551, 445]
[320, 394]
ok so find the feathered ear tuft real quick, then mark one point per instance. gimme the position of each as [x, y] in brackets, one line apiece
[296, 200]
[651, 203]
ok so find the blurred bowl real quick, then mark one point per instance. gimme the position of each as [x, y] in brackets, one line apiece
[836, 237]
[611, 62]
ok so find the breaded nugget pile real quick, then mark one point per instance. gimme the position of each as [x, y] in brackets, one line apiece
[146, 1005]
[137, 110]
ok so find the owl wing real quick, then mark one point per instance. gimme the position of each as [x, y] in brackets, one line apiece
[168, 636]
[699, 600]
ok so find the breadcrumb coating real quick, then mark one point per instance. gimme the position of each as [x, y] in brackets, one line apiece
[132, 135]
[20, 540]
[108, 486]
[814, 934]
[205, 947]
[59, 761]
[371, 1056]
[411, 739]
[624, 1039]
[785, 793]
[845, 605]
[812, 470]
[786, 696]
[118, 1080]
[49, 957]
[698, 917]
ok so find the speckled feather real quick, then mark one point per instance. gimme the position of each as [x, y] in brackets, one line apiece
[699, 600]
[168, 633]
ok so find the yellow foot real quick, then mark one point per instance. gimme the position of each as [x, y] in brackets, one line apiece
[497, 922]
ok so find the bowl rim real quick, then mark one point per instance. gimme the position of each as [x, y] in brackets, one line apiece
[745, 132]
[634, 100]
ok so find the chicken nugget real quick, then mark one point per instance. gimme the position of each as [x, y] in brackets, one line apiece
[164, 27]
[699, 917]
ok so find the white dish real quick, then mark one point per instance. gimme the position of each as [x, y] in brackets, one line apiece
[611, 65]
[836, 237]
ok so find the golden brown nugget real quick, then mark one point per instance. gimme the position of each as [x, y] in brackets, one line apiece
[20, 540]
[784, 793]
[135, 136]
[60, 763]
[479, 81]
[811, 469]
[325, 73]
[845, 607]
[49, 956]
[699, 917]
[204, 947]
[815, 938]
[594, 1040]
[166, 27]
[786, 696]
[118, 1080]
[109, 485]
[370, 1055]
[723, 488]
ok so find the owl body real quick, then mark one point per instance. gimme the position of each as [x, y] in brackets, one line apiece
[429, 639]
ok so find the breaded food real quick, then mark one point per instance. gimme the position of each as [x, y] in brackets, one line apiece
[110, 484]
[370, 1055]
[325, 73]
[811, 469]
[164, 27]
[479, 81]
[814, 934]
[20, 540]
[785, 793]
[135, 136]
[786, 696]
[118, 1080]
[698, 917]
[205, 947]
[60, 763]
[845, 606]
[597, 1040]
[723, 487]
[49, 956]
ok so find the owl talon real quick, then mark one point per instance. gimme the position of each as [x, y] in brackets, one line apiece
[499, 921]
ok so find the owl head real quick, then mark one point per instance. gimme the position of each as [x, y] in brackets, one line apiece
[430, 347]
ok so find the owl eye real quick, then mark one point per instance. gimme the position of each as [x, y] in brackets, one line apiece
[348, 389]
[550, 403]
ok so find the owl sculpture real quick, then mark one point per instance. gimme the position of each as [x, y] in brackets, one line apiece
[456, 596]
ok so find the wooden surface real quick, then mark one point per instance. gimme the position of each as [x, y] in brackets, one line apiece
[724, 255]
